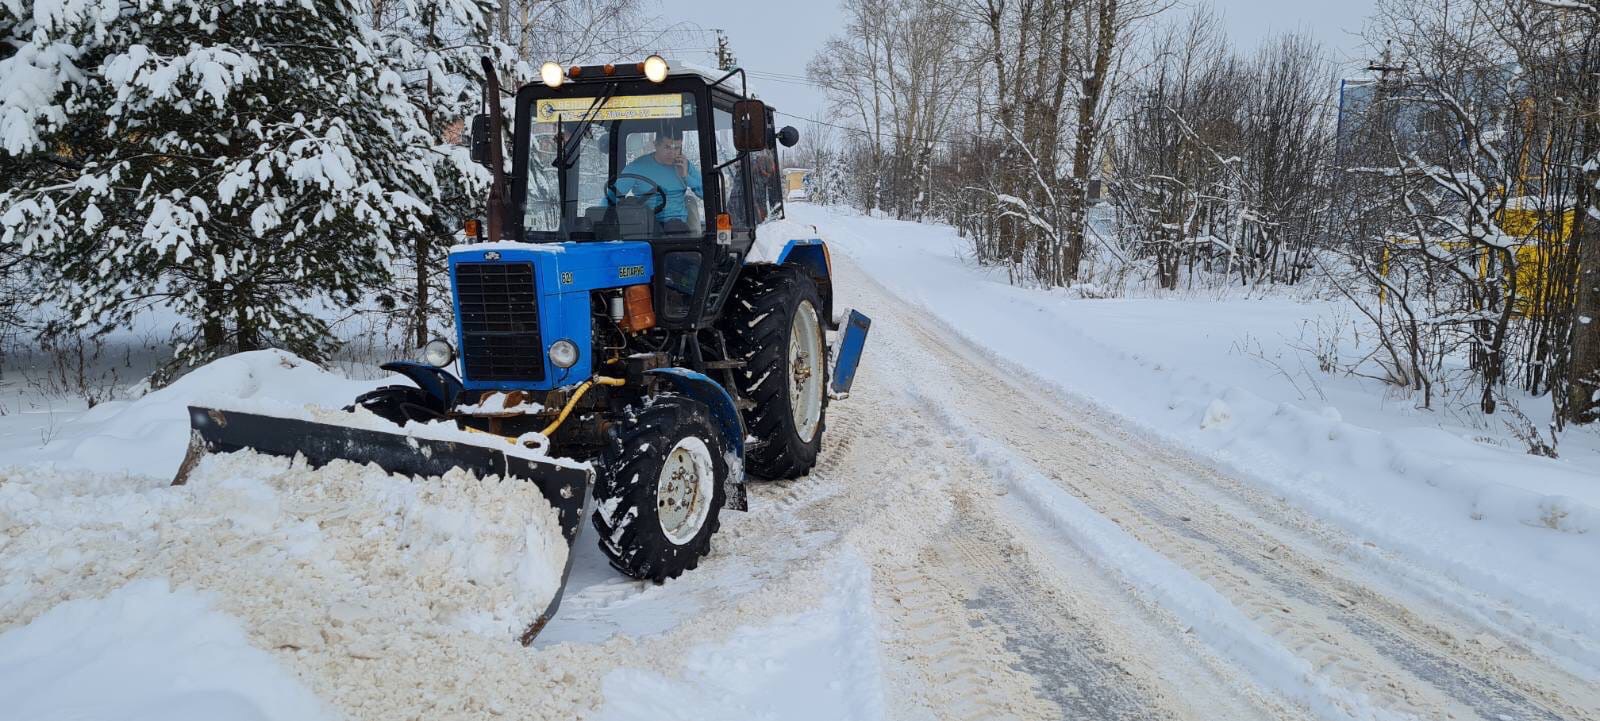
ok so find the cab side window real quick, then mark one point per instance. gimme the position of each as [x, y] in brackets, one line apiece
[735, 193]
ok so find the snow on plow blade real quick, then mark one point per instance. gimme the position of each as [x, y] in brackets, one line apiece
[565, 487]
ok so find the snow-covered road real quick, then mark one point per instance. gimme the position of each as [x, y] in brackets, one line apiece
[1130, 580]
[1025, 555]
[974, 544]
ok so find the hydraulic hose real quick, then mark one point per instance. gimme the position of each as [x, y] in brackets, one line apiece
[577, 395]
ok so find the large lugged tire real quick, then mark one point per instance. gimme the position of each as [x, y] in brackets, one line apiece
[660, 489]
[774, 325]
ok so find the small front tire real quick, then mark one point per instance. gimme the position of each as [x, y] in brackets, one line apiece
[661, 488]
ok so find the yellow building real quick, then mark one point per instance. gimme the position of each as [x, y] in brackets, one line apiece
[796, 183]
[1538, 252]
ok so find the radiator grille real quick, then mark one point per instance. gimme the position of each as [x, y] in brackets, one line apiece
[499, 317]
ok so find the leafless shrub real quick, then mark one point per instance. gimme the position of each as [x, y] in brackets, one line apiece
[1526, 431]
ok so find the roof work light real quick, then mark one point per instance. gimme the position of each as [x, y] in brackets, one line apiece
[551, 74]
[655, 68]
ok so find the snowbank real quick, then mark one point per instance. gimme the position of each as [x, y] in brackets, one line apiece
[148, 436]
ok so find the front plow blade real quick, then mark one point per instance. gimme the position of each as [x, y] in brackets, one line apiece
[565, 487]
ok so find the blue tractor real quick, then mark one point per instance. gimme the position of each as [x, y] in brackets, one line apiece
[620, 308]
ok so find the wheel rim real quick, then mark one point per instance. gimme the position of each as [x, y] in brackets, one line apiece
[684, 490]
[805, 371]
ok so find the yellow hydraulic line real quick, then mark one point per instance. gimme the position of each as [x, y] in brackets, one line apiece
[577, 395]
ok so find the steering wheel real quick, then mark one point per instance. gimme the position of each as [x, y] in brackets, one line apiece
[611, 189]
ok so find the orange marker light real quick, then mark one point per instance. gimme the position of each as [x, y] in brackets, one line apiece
[574, 71]
[609, 69]
[724, 222]
[472, 227]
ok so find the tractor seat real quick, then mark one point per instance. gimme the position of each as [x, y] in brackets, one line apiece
[630, 218]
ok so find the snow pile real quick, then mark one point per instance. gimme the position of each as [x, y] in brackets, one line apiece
[346, 573]
[148, 436]
[387, 596]
[146, 652]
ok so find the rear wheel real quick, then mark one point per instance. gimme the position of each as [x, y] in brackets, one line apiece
[774, 325]
[661, 490]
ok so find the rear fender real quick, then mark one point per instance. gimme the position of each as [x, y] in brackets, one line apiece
[723, 412]
[811, 255]
[436, 382]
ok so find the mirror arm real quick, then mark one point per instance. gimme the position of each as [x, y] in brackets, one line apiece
[744, 82]
[736, 158]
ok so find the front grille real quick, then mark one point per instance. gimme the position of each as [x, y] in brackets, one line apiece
[499, 317]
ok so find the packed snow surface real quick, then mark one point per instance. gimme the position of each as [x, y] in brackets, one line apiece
[146, 652]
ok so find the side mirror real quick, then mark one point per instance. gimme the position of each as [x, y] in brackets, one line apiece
[749, 126]
[480, 139]
[788, 136]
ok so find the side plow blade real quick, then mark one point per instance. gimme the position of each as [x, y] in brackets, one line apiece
[565, 487]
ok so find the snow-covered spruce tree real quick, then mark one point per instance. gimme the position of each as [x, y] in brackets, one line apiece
[436, 46]
[245, 162]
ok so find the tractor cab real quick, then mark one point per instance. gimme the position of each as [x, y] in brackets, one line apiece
[641, 152]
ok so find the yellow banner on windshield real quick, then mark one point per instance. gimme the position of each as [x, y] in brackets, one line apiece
[628, 107]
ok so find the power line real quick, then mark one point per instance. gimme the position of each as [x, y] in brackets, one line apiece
[918, 141]
[790, 76]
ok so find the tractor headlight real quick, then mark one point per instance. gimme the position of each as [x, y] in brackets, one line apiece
[563, 353]
[552, 74]
[655, 68]
[438, 353]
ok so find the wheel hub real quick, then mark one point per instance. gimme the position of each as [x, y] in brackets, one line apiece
[684, 490]
[805, 370]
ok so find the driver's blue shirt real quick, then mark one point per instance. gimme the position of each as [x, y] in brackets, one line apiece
[665, 176]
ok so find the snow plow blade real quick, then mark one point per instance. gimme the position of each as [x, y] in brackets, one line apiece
[566, 488]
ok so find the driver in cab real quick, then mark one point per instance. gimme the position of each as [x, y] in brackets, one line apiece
[670, 170]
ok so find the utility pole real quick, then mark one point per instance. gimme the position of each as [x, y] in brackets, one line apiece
[725, 59]
[1388, 73]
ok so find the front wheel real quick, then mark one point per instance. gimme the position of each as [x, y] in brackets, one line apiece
[661, 489]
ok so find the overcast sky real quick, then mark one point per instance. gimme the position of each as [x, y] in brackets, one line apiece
[780, 38]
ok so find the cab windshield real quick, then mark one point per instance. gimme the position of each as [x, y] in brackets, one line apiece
[632, 173]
